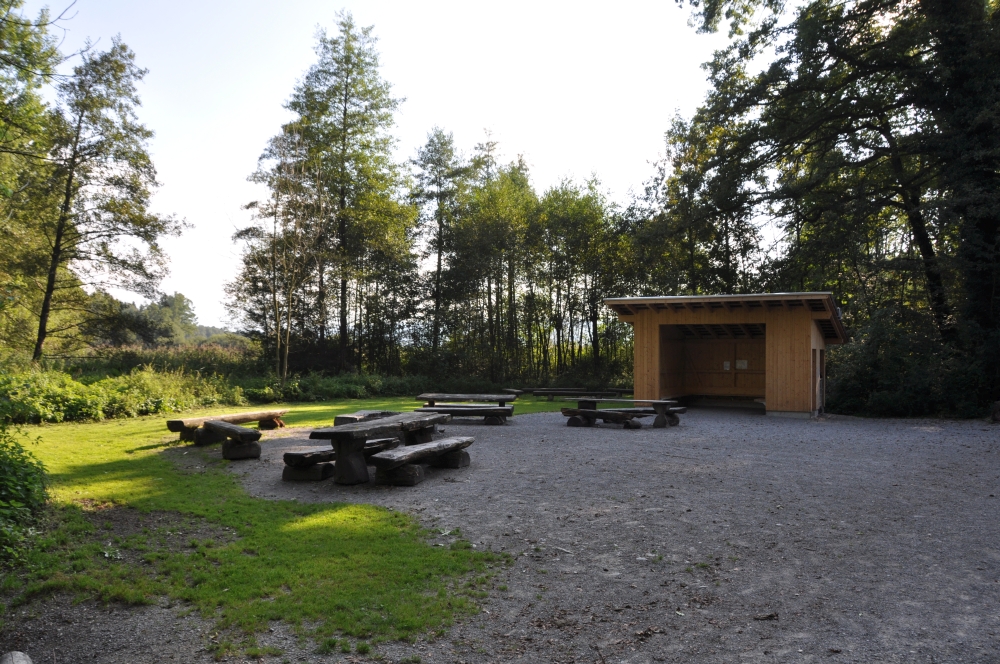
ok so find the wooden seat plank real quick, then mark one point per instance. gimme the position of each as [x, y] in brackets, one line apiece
[467, 411]
[177, 426]
[394, 458]
[233, 431]
[310, 456]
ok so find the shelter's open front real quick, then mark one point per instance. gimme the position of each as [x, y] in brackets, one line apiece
[770, 347]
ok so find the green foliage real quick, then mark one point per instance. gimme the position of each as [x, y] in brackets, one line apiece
[227, 355]
[22, 493]
[319, 387]
[897, 367]
[52, 396]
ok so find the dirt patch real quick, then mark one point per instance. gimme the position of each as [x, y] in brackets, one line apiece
[733, 537]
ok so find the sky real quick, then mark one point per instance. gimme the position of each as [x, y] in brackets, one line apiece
[579, 89]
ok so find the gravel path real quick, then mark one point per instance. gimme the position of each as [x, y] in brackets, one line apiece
[730, 538]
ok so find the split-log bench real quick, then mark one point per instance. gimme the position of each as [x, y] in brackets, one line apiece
[311, 464]
[239, 442]
[399, 466]
[587, 413]
[492, 414]
[192, 428]
[349, 440]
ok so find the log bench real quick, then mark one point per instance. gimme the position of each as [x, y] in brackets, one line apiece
[491, 414]
[586, 413]
[349, 440]
[189, 428]
[238, 442]
[401, 466]
[312, 464]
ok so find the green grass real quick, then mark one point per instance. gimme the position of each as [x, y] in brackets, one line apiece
[344, 570]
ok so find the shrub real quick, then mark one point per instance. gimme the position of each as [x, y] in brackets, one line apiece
[52, 396]
[897, 366]
[22, 493]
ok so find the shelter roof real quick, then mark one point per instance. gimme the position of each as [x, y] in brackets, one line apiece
[821, 304]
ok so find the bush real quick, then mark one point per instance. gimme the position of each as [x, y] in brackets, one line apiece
[228, 355]
[897, 366]
[53, 396]
[22, 493]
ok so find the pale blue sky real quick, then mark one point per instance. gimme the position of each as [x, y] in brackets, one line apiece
[578, 88]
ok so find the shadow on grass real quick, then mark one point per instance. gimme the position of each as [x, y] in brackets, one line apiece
[356, 570]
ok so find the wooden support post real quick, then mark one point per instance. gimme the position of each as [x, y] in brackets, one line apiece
[351, 467]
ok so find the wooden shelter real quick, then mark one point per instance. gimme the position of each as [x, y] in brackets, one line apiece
[769, 347]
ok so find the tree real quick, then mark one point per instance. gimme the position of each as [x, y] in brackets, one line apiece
[283, 246]
[345, 111]
[442, 178]
[870, 131]
[102, 178]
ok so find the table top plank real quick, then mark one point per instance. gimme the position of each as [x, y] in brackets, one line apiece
[381, 427]
[437, 396]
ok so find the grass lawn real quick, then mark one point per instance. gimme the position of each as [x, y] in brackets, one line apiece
[342, 569]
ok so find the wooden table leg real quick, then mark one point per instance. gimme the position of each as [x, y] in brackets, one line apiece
[350, 467]
[417, 436]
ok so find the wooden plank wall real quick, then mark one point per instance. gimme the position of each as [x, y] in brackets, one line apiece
[671, 363]
[715, 367]
[789, 365]
[647, 359]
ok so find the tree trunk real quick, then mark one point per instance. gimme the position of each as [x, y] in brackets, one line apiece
[56, 257]
[911, 197]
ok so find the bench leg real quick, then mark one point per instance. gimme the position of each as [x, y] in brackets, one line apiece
[632, 424]
[456, 459]
[493, 420]
[407, 475]
[575, 421]
[660, 421]
[234, 450]
[350, 467]
[314, 473]
[203, 436]
[673, 420]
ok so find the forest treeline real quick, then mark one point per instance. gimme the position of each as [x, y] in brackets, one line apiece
[843, 146]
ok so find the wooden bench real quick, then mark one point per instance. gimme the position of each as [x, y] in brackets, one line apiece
[188, 428]
[399, 466]
[312, 464]
[238, 442]
[349, 440]
[586, 413]
[491, 414]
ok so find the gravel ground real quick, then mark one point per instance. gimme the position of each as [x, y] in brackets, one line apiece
[731, 538]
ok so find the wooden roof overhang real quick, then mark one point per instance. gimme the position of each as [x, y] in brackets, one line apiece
[820, 305]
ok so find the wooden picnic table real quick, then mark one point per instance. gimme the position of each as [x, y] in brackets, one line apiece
[666, 410]
[433, 397]
[348, 440]
[437, 402]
